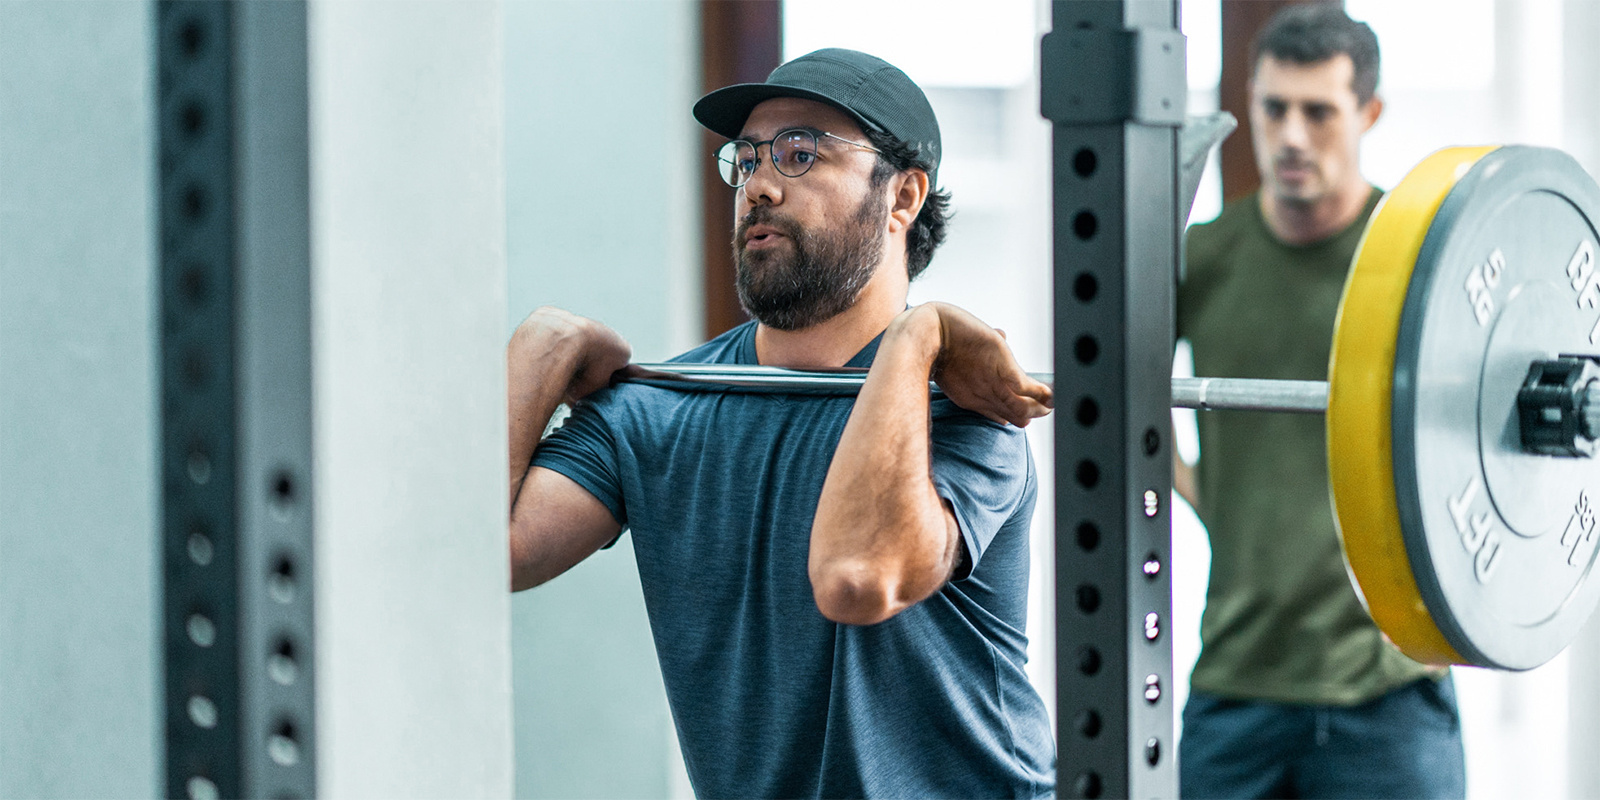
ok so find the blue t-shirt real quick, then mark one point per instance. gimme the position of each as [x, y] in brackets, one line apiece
[770, 698]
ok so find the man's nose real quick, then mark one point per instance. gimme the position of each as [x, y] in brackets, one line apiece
[1296, 133]
[765, 185]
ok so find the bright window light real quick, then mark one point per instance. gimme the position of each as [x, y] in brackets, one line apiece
[1431, 44]
[955, 43]
[1202, 24]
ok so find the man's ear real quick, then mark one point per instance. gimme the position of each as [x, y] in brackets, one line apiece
[1371, 112]
[910, 192]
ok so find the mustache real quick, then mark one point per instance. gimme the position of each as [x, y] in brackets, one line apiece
[764, 215]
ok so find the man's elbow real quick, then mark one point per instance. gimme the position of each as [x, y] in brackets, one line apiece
[525, 577]
[857, 594]
[525, 567]
[522, 578]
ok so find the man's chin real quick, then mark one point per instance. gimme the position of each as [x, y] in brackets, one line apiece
[790, 323]
[1298, 194]
[789, 312]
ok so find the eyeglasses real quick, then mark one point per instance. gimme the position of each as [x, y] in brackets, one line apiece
[793, 152]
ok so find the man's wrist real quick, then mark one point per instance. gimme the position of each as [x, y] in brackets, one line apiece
[553, 343]
[918, 332]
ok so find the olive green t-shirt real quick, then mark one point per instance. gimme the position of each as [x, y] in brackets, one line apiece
[1282, 621]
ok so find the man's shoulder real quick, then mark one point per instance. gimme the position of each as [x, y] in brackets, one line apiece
[961, 431]
[1239, 219]
[1375, 197]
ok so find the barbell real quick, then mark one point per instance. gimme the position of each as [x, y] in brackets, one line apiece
[1462, 406]
[1207, 394]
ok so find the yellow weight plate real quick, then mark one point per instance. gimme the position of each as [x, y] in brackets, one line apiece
[1361, 399]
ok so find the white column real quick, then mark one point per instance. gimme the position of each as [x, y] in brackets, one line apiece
[78, 401]
[1582, 118]
[1581, 77]
[1583, 715]
[1528, 71]
[408, 281]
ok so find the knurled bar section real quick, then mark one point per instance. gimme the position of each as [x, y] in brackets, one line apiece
[200, 546]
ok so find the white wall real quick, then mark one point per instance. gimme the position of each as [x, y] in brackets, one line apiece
[1580, 75]
[408, 285]
[603, 214]
[78, 401]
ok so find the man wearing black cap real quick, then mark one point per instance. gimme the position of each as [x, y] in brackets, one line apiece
[837, 587]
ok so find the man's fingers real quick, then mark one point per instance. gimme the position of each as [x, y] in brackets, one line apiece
[1026, 410]
[1004, 407]
[1037, 409]
[1024, 385]
[1040, 393]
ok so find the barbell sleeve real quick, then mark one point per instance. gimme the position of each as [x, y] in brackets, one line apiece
[1209, 394]
[1250, 394]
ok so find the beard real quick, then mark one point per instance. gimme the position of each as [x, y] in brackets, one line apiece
[819, 276]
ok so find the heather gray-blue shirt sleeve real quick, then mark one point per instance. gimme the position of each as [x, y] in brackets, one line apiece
[585, 450]
[982, 468]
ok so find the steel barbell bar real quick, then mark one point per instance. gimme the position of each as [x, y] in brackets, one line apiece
[1209, 394]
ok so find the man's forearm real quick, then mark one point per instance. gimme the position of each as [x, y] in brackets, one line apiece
[540, 364]
[554, 523]
[881, 540]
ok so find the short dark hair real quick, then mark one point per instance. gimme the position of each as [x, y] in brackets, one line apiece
[1309, 33]
[927, 230]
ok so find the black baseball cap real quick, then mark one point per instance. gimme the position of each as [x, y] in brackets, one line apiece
[876, 93]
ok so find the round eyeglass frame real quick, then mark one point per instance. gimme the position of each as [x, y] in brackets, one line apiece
[791, 144]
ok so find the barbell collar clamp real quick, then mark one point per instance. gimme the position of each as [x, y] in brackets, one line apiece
[1558, 406]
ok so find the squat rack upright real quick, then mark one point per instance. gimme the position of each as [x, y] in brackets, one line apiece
[1113, 84]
